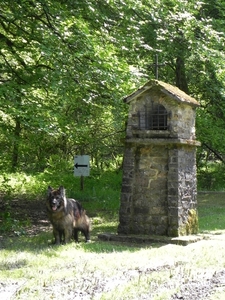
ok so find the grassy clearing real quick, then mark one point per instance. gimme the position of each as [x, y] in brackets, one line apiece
[100, 270]
[31, 268]
[211, 209]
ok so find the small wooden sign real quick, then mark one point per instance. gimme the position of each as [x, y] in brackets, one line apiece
[81, 165]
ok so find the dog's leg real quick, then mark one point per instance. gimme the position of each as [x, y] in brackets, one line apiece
[75, 234]
[68, 235]
[86, 233]
[61, 236]
[57, 236]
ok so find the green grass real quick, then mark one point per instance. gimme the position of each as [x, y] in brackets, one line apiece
[100, 189]
[32, 268]
[211, 211]
[100, 197]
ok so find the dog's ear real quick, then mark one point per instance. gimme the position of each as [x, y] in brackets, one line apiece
[50, 189]
[62, 191]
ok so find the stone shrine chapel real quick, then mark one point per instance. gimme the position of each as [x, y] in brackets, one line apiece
[158, 195]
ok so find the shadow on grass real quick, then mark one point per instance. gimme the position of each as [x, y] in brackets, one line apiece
[42, 243]
[211, 211]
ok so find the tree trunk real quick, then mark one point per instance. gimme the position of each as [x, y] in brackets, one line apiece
[15, 150]
[181, 81]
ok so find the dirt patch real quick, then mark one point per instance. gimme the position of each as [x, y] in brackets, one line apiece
[92, 287]
[25, 211]
[201, 289]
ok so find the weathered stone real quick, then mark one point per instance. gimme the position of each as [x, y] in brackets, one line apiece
[158, 193]
[126, 189]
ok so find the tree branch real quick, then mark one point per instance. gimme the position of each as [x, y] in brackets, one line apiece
[214, 152]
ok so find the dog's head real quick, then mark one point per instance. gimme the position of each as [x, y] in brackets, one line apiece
[56, 199]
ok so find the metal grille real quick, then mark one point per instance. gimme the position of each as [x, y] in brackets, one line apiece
[158, 118]
[153, 117]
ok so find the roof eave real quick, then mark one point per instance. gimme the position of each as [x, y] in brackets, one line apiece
[163, 88]
[137, 93]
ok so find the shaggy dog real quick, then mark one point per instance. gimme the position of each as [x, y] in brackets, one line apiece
[67, 216]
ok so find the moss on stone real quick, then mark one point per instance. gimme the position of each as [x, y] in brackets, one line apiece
[191, 227]
[192, 223]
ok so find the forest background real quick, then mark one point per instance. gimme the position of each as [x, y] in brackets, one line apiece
[66, 66]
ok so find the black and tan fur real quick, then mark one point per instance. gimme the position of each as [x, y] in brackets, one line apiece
[66, 216]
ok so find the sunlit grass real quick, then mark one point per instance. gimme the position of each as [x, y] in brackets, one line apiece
[33, 268]
[124, 272]
[211, 211]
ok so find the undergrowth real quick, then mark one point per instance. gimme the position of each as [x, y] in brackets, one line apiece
[211, 177]
[100, 195]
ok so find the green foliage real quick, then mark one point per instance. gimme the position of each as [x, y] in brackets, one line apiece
[65, 67]
[21, 185]
[62, 101]
[212, 177]
[100, 195]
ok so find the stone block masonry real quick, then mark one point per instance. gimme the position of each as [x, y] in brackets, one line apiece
[158, 195]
